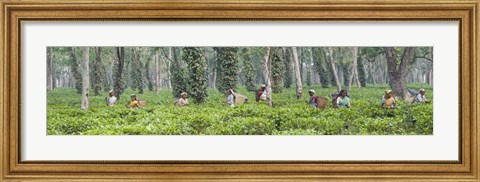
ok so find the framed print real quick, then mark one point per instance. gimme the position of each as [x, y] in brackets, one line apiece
[239, 91]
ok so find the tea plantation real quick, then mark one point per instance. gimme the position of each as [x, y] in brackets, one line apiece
[288, 116]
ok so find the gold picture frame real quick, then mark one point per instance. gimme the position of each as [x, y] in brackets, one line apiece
[466, 168]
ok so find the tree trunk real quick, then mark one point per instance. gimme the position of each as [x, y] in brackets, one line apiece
[335, 74]
[85, 78]
[169, 61]
[356, 78]
[310, 68]
[266, 75]
[298, 77]
[120, 60]
[214, 80]
[158, 72]
[50, 69]
[398, 72]
[98, 71]
[430, 76]
[354, 68]
[372, 73]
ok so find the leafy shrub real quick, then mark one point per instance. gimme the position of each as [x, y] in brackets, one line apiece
[288, 116]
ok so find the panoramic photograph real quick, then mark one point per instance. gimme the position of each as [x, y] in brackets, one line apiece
[239, 90]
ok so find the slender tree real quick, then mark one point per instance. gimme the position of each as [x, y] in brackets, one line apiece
[248, 70]
[169, 62]
[354, 67]
[179, 75]
[319, 56]
[310, 65]
[298, 77]
[98, 71]
[50, 69]
[85, 78]
[136, 71]
[197, 66]
[118, 86]
[334, 70]
[362, 77]
[77, 75]
[147, 73]
[346, 69]
[277, 70]
[158, 71]
[266, 75]
[287, 82]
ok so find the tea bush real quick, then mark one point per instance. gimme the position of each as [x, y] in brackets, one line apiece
[288, 116]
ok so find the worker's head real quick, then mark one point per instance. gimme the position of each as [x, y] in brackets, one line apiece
[311, 92]
[111, 93]
[229, 91]
[343, 92]
[422, 91]
[133, 97]
[263, 87]
[388, 93]
[184, 95]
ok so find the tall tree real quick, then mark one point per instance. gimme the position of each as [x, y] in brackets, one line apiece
[169, 62]
[354, 67]
[147, 72]
[298, 77]
[76, 73]
[158, 71]
[309, 66]
[397, 62]
[136, 71]
[98, 71]
[266, 75]
[179, 74]
[197, 66]
[334, 70]
[287, 81]
[248, 70]
[362, 77]
[50, 69]
[118, 70]
[319, 56]
[346, 73]
[277, 70]
[85, 78]
[228, 67]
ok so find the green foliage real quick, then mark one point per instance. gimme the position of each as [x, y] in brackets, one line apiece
[346, 70]
[227, 67]
[98, 72]
[319, 57]
[147, 75]
[288, 79]
[248, 70]
[77, 74]
[277, 71]
[136, 72]
[179, 76]
[288, 116]
[362, 77]
[118, 72]
[309, 76]
[197, 66]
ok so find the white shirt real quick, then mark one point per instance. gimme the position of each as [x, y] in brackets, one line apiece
[230, 100]
[111, 100]
[421, 98]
